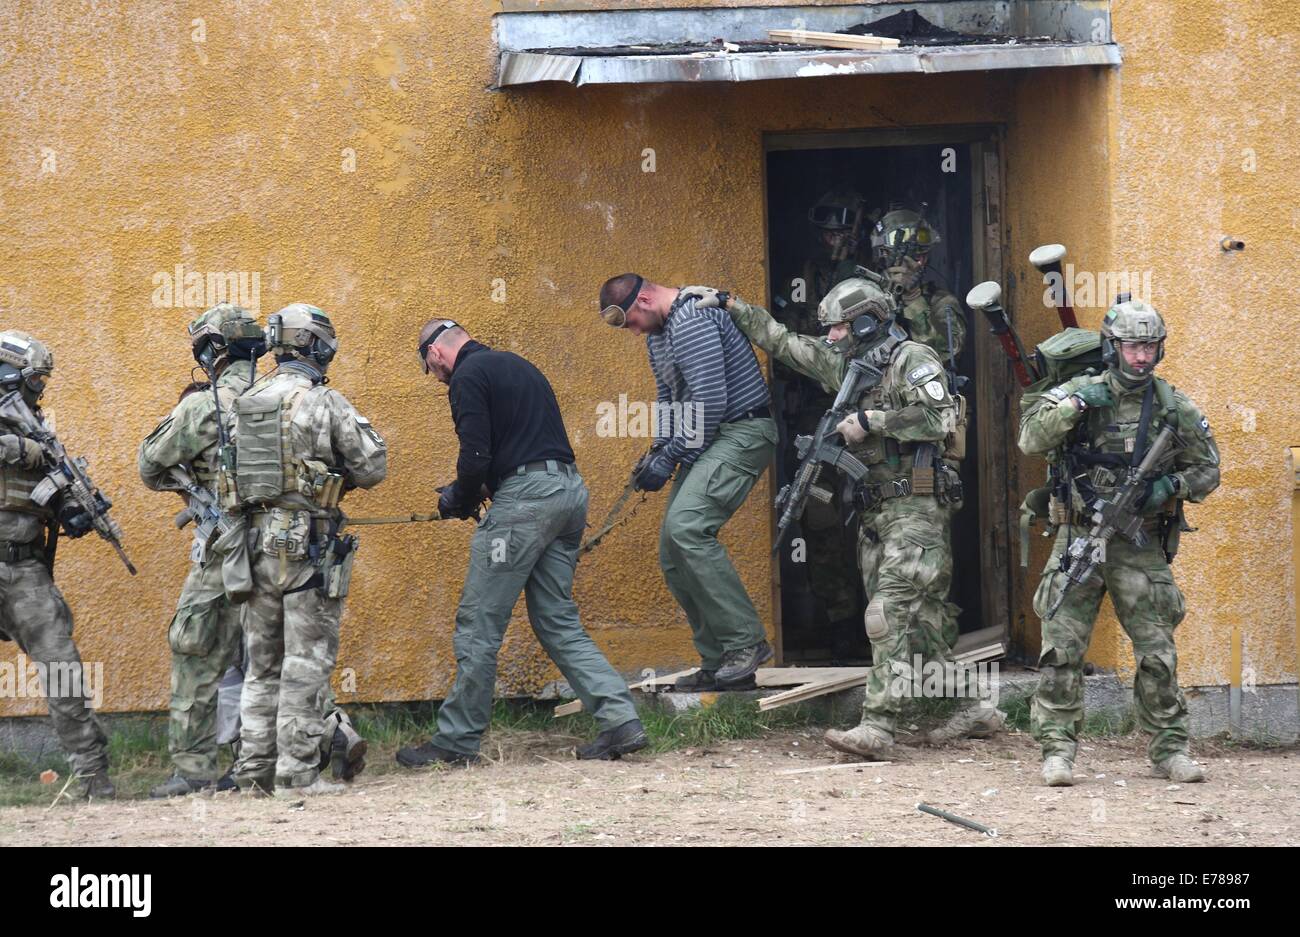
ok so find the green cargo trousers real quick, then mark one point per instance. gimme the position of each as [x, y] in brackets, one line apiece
[34, 613]
[905, 552]
[204, 635]
[528, 541]
[1149, 606]
[696, 567]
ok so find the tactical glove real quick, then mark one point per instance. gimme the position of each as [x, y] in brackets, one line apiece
[1159, 490]
[1095, 395]
[19, 450]
[706, 297]
[449, 505]
[76, 521]
[655, 473]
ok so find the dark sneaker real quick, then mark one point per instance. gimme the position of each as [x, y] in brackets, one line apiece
[613, 744]
[742, 664]
[99, 786]
[347, 753]
[422, 756]
[178, 786]
[702, 681]
[227, 783]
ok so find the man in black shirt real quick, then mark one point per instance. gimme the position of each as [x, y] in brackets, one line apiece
[514, 449]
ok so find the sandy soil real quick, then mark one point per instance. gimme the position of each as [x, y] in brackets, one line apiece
[534, 793]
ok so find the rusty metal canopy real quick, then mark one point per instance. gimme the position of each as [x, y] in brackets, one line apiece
[672, 45]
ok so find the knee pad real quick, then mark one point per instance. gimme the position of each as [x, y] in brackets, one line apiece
[874, 617]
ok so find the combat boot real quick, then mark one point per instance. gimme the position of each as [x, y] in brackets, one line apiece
[738, 667]
[347, 753]
[702, 681]
[423, 756]
[613, 744]
[99, 786]
[1057, 771]
[178, 786]
[864, 741]
[315, 788]
[260, 786]
[1179, 768]
[971, 722]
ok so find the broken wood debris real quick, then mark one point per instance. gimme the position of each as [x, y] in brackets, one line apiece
[953, 818]
[804, 37]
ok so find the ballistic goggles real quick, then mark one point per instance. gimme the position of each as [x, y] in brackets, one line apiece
[833, 217]
[616, 315]
[902, 239]
[424, 346]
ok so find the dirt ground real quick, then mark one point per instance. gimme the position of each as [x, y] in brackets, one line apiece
[735, 793]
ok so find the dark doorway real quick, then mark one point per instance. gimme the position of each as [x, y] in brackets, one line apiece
[821, 621]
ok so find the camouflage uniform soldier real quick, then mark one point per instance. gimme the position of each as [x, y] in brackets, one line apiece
[901, 242]
[205, 631]
[832, 574]
[903, 548]
[1101, 425]
[32, 609]
[300, 445]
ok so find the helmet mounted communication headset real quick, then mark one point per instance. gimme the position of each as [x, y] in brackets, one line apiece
[303, 332]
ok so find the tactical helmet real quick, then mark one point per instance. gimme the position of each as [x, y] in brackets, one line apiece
[25, 365]
[854, 297]
[901, 233]
[836, 210]
[226, 331]
[1131, 320]
[303, 332]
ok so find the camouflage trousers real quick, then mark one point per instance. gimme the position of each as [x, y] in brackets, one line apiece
[905, 552]
[1149, 606]
[293, 643]
[34, 614]
[204, 636]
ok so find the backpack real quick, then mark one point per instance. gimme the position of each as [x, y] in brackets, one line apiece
[1065, 355]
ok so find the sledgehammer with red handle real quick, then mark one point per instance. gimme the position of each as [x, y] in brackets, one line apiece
[1048, 261]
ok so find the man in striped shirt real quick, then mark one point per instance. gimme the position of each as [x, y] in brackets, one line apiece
[714, 426]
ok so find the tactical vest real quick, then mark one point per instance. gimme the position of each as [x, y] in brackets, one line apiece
[878, 449]
[266, 468]
[1091, 465]
[16, 484]
[1098, 456]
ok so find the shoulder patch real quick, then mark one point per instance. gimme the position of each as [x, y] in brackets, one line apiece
[1057, 393]
[922, 373]
[935, 390]
[1205, 427]
[160, 428]
[369, 430]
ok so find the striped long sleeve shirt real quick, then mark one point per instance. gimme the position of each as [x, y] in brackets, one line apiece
[706, 374]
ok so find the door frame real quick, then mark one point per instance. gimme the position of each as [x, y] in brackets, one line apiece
[993, 386]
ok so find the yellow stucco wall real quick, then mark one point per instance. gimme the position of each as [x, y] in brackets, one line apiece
[1187, 142]
[129, 147]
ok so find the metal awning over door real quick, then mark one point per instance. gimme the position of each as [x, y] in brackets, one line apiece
[640, 46]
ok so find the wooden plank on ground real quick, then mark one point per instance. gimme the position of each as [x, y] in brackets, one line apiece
[575, 706]
[976, 639]
[804, 37]
[811, 690]
[797, 676]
